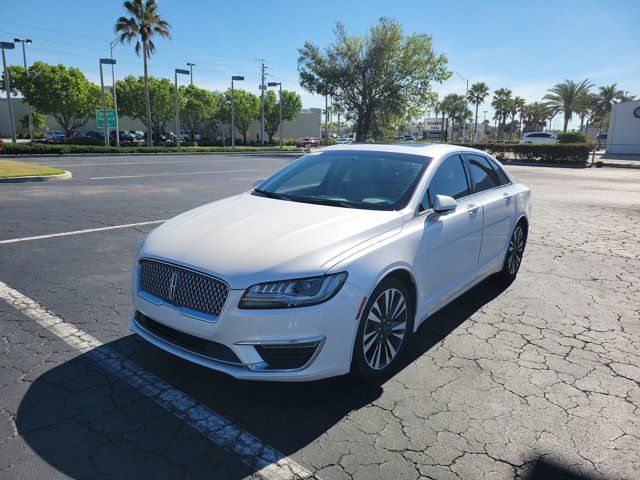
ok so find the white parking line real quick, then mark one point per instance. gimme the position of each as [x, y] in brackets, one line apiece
[268, 462]
[182, 173]
[77, 232]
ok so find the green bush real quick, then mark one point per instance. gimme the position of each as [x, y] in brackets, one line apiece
[558, 153]
[63, 149]
[571, 137]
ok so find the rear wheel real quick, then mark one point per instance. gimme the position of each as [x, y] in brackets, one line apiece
[384, 331]
[515, 252]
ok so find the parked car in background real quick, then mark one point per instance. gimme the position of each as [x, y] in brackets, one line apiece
[96, 134]
[409, 138]
[538, 137]
[54, 136]
[138, 134]
[185, 136]
[125, 135]
[79, 135]
[342, 255]
[308, 142]
[601, 140]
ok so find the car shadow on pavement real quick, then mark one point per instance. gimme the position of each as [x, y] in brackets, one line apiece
[86, 422]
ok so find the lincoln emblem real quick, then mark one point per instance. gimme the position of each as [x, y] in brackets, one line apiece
[173, 284]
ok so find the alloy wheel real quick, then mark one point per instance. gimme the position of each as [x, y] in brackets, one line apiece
[516, 250]
[385, 329]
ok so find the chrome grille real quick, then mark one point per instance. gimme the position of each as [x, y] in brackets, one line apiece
[182, 288]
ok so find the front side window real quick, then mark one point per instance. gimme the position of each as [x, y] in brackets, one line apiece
[356, 179]
[449, 179]
[482, 175]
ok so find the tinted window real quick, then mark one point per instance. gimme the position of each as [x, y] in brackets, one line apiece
[482, 175]
[349, 178]
[449, 179]
[504, 180]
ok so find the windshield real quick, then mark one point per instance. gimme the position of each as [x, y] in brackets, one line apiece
[355, 179]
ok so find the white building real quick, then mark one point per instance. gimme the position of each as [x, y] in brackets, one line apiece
[624, 128]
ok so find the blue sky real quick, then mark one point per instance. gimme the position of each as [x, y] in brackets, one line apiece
[525, 46]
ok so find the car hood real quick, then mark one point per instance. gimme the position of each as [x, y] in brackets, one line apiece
[249, 239]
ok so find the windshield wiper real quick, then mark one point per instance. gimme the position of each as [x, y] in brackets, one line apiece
[269, 194]
[322, 201]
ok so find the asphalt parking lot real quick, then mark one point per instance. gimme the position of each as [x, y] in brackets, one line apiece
[540, 379]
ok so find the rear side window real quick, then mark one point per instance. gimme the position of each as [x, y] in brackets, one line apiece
[449, 179]
[482, 174]
[504, 180]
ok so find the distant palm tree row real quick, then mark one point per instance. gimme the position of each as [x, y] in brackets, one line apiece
[568, 98]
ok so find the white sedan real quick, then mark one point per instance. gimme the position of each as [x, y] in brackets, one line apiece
[330, 265]
[538, 137]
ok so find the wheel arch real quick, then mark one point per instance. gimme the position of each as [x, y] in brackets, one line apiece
[405, 276]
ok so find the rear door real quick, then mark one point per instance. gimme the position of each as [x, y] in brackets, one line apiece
[492, 191]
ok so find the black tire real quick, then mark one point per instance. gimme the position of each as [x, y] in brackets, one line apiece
[384, 334]
[515, 253]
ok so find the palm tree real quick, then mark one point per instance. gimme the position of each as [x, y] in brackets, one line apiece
[535, 115]
[143, 24]
[501, 103]
[478, 92]
[568, 97]
[517, 104]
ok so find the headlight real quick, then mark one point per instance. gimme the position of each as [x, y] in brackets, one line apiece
[300, 292]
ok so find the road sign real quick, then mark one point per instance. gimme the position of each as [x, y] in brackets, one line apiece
[111, 118]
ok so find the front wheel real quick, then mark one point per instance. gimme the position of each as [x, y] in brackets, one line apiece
[384, 331]
[515, 252]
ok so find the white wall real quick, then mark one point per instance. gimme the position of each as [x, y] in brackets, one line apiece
[624, 129]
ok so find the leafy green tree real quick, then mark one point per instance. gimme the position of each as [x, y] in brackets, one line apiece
[132, 103]
[199, 107]
[478, 93]
[383, 73]
[568, 97]
[38, 118]
[291, 106]
[246, 110]
[535, 116]
[501, 104]
[143, 24]
[64, 93]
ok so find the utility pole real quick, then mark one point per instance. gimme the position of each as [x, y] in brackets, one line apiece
[466, 103]
[326, 119]
[191, 65]
[24, 62]
[262, 89]
[115, 97]
[104, 105]
[7, 86]
[278, 84]
[484, 123]
[180, 71]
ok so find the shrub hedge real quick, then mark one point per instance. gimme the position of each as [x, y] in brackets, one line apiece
[63, 149]
[571, 137]
[554, 153]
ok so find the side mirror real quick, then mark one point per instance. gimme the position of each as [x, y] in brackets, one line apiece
[444, 204]
[258, 182]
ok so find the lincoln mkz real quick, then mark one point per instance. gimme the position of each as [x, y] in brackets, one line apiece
[330, 265]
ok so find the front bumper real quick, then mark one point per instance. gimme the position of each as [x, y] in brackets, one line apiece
[251, 334]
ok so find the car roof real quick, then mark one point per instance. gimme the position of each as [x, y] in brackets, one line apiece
[427, 149]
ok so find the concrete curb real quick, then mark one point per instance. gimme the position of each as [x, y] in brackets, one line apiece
[37, 178]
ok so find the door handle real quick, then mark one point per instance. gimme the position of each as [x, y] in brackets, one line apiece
[473, 209]
[507, 197]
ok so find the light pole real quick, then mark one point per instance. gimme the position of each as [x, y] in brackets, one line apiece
[279, 84]
[7, 86]
[262, 91]
[466, 103]
[115, 97]
[180, 71]
[191, 65]
[237, 78]
[105, 61]
[26, 41]
[484, 123]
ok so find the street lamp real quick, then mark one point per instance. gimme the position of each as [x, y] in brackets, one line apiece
[180, 71]
[236, 78]
[26, 41]
[7, 86]
[484, 123]
[105, 61]
[278, 84]
[113, 83]
[466, 103]
[191, 65]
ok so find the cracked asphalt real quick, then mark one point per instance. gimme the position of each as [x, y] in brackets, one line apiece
[539, 379]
